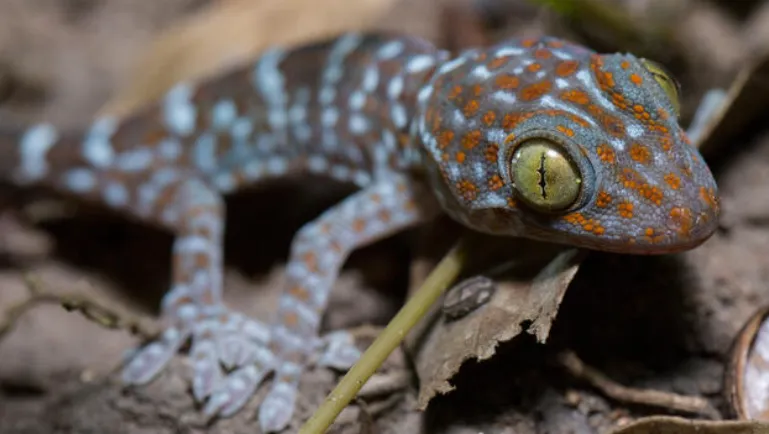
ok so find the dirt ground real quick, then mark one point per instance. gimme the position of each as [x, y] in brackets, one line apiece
[663, 323]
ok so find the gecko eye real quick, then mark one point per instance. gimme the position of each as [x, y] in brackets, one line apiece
[666, 80]
[544, 176]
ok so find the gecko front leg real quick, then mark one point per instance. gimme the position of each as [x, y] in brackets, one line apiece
[318, 252]
[221, 339]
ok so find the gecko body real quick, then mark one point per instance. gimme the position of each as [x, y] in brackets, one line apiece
[537, 138]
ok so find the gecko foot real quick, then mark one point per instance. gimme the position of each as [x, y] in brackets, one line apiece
[230, 356]
[335, 350]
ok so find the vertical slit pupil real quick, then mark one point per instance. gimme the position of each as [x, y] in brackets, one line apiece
[541, 170]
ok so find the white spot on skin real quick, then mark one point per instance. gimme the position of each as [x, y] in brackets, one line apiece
[225, 182]
[115, 194]
[586, 79]
[327, 95]
[179, 113]
[370, 79]
[358, 124]
[541, 74]
[424, 94]
[618, 144]
[33, 149]
[135, 160]
[562, 55]
[170, 149]
[80, 180]
[270, 82]
[561, 83]
[204, 153]
[317, 164]
[634, 131]
[508, 51]
[395, 87]
[398, 114]
[419, 63]
[357, 100]
[504, 97]
[97, 148]
[242, 128]
[549, 101]
[389, 50]
[341, 173]
[329, 117]
[451, 65]
[223, 113]
[480, 72]
[277, 166]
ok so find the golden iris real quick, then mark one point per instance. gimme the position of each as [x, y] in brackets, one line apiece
[666, 80]
[544, 176]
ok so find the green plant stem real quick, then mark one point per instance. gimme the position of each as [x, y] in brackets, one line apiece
[391, 337]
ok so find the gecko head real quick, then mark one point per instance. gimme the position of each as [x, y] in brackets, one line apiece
[582, 149]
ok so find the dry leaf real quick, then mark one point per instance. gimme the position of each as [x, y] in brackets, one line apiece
[519, 297]
[677, 425]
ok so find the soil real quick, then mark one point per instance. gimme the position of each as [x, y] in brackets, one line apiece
[661, 322]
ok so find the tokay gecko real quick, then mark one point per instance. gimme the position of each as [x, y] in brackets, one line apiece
[537, 138]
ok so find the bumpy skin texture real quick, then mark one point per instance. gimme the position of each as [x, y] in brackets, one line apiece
[645, 188]
[380, 111]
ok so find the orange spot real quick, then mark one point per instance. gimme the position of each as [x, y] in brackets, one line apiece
[471, 107]
[673, 181]
[467, 190]
[488, 118]
[358, 225]
[511, 202]
[471, 139]
[495, 183]
[511, 120]
[290, 319]
[649, 232]
[588, 225]
[603, 200]
[384, 215]
[566, 68]
[455, 92]
[640, 153]
[310, 261]
[507, 81]
[682, 219]
[460, 157]
[534, 67]
[625, 209]
[496, 63]
[576, 96]
[555, 44]
[542, 53]
[605, 153]
[491, 152]
[299, 293]
[477, 90]
[535, 90]
[666, 142]
[636, 79]
[709, 197]
[613, 125]
[651, 193]
[567, 131]
[528, 43]
[625, 64]
[444, 138]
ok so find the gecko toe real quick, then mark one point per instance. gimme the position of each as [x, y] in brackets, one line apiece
[340, 351]
[277, 408]
[145, 363]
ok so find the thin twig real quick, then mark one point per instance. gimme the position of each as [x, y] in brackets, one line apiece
[618, 392]
[92, 310]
